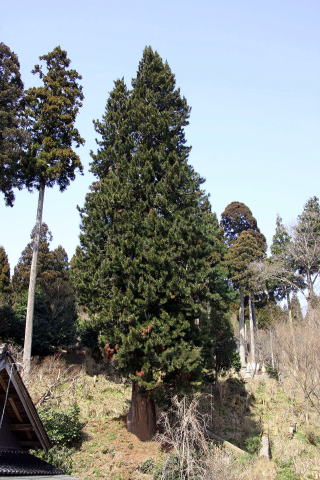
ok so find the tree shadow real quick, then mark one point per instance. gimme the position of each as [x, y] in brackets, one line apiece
[229, 409]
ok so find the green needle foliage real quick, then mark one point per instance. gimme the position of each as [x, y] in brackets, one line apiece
[250, 246]
[12, 134]
[4, 273]
[55, 313]
[51, 110]
[149, 240]
[236, 218]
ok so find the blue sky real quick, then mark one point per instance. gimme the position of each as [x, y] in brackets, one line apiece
[250, 70]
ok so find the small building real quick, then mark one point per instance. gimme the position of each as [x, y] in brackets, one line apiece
[21, 428]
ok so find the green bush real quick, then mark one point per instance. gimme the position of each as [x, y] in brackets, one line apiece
[59, 456]
[64, 428]
[253, 444]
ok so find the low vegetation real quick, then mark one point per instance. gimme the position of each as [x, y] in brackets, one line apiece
[238, 411]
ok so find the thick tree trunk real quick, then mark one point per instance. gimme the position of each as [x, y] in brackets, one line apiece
[141, 419]
[32, 285]
[252, 337]
[242, 347]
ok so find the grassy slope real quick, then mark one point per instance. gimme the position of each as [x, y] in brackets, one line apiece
[238, 411]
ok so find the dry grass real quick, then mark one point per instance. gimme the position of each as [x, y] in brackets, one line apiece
[236, 410]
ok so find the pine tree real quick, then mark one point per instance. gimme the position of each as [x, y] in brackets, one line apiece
[51, 112]
[147, 241]
[13, 136]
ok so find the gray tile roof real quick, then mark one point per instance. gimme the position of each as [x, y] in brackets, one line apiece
[18, 462]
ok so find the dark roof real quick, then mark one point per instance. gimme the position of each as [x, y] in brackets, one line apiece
[18, 462]
[20, 413]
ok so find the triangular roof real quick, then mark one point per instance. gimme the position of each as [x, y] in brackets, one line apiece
[20, 419]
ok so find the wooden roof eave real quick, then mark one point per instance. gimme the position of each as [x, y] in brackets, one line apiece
[7, 363]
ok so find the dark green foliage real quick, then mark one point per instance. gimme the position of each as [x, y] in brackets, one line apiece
[270, 314]
[4, 275]
[253, 444]
[13, 136]
[51, 111]
[20, 278]
[149, 238]
[11, 330]
[236, 218]
[250, 246]
[59, 456]
[55, 312]
[280, 239]
[64, 428]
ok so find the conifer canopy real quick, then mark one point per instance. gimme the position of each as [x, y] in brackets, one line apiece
[149, 239]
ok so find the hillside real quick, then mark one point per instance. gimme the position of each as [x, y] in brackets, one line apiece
[238, 411]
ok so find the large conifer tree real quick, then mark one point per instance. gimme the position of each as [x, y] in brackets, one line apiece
[51, 112]
[12, 134]
[147, 241]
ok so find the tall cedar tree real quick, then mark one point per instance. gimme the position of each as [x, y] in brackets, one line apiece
[4, 275]
[51, 110]
[147, 241]
[236, 218]
[250, 246]
[12, 133]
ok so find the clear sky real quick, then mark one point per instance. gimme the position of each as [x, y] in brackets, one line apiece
[249, 69]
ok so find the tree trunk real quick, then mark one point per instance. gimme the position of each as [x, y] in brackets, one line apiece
[271, 350]
[242, 347]
[252, 337]
[141, 420]
[32, 285]
[294, 346]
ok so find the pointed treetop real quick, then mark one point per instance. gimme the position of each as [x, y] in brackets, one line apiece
[52, 109]
[280, 239]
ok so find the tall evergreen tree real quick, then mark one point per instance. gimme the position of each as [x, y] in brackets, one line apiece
[237, 218]
[4, 275]
[12, 132]
[21, 275]
[250, 246]
[147, 241]
[305, 245]
[51, 111]
[55, 312]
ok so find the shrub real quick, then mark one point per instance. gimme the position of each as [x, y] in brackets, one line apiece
[59, 456]
[147, 466]
[64, 428]
[253, 444]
